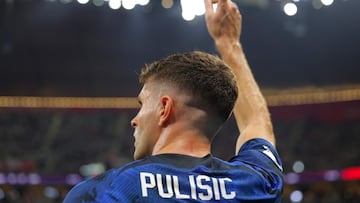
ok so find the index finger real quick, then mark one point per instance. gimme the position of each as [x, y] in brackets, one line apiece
[208, 7]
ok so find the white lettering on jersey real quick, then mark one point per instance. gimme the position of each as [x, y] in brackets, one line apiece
[199, 181]
[223, 189]
[161, 188]
[199, 187]
[145, 185]
[178, 194]
[216, 188]
[192, 187]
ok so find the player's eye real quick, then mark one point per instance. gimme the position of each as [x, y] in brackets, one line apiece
[140, 103]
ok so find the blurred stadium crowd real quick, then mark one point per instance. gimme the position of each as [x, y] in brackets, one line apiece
[55, 143]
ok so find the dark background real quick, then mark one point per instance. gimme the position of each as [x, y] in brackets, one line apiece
[55, 49]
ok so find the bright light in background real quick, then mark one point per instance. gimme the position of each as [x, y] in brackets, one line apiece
[11, 178]
[128, 4]
[290, 9]
[187, 11]
[34, 179]
[331, 175]
[143, 2]
[298, 167]
[22, 179]
[351, 173]
[292, 178]
[199, 7]
[327, 2]
[296, 196]
[73, 179]
[92, 169]
[51, 192]
[83, 1]
[192, 8]
[167, 3]
[115, 4]
[187, 15]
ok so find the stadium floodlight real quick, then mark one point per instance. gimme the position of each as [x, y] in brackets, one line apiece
[192, 8]
[290, 9]
[83, 1]
[327, 2]
[114, 4]
[128, 4]
[143, 2]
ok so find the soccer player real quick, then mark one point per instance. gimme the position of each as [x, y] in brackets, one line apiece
[184, 101]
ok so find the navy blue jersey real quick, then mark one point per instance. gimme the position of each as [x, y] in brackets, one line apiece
[253, 175]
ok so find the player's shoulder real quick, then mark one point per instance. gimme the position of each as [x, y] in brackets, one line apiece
[260, 155]
[97, 188]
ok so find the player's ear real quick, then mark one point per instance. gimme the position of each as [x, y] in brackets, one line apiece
[167, 105]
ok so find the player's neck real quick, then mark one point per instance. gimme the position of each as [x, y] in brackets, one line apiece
[187, 142]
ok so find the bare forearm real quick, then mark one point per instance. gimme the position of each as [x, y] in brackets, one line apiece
[251, 112]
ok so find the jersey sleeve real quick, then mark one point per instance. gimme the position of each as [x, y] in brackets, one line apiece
[261, 156]
[256, 148]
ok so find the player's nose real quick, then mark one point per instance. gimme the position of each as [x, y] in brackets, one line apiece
[133, 122]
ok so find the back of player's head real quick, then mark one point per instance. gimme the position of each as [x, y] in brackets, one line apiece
[205, 77]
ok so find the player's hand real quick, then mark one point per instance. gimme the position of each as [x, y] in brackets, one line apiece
[224, 24]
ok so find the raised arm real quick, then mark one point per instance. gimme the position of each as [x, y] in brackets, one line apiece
[251, 112]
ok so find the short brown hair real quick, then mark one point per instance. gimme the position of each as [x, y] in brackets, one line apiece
[206, 77]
